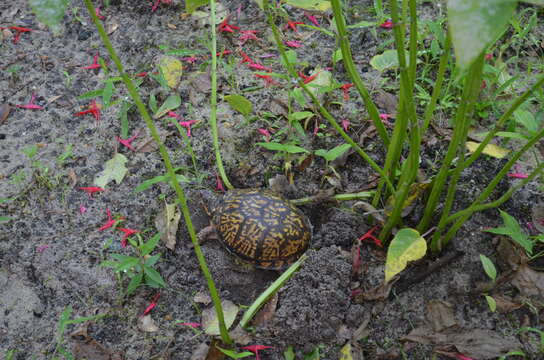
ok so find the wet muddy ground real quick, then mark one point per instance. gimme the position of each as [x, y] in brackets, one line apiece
[51, 249]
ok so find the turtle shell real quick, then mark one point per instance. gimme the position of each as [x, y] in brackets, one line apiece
[262, 228]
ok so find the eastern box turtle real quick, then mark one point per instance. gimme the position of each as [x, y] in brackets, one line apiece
[261, 227]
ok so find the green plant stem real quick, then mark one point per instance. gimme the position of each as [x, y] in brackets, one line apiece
[408, 114]
[213, 101]
[169, 168]
[458, 139]
[413, 42]
[337, 197]
[349, 65]
[322, 110]
[444, 59]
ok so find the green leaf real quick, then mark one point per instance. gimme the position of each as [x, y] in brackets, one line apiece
[135, 282]
[334, 152]
[152, 260]
[386, 60]
[298, 95]
[345, 352]
[172, 69]
[315, 5]
[154, 276]
[491, 303]
[291, 56]
[107, 93]
[150, 245]
[526, 119]
[474, 24]
[240, 104]
[289, 354]
[91, 94]
[171, 103]
[5, 218]
[30, 151]
[233, 354]
[322, 83]
[513, 230]
[361, 24]
[192, 5]
[157, 179]
[291, 149]
[300, 115]
[407, 245]
[114, 169]
[489, 267]
[49, 12]
[127, 264]
[153, 103]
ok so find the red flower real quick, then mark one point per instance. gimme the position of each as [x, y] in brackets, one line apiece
[128, 142]
[18, 31]
[111, 221]
[97, 12]
[255, 349]
[268, 79]
[94, 109]
[91, 190]
[224, 26]
[293, 43]
[94, 65]
[312, 18]
[258, 66]
[345, 124]
[30, 105]
[248, 35]
[152, 304]
[345, 88]
[266, 134]
[218, 183]
[245, 58]
[158, 2]
[387, 24]
[307, 79]
[194, 325]
[368, 235]
[293, 25]
[127, 233]
[187, 125]
[142, 74]
[190, 59]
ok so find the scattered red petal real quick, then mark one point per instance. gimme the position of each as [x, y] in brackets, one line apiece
[293, 25]
[128, 142]
[387, 24]
[152, 305]
[82, 209]
[18, 31]
[94, 109]
[255, 349]
[223, 53]
[268, 79]
[308, 79]
[245, 58]
[224, 26]
[30, 105]
[385, 116]
[142, 74]
[293, 43]
[368, 235]
[190, 59]
[484, 85]
[187, 125]
[155, 6]
[91, 190]
[316, 127]
[345, 124]
[518, 175]
[356, 292]
[127, 233]
[218, 183]
[356, 261]
[173, 115]
[194, 325]
[94, 65]
[345, 88]
[42, 248]
[312, 19]
[265, 133]
[488, 56]
[247, 35]
[111, 221]
[97, 12]
[258, 66]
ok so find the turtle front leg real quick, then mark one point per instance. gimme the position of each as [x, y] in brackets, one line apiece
[208, 233]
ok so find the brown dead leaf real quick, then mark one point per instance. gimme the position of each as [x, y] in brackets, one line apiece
[85, 347]
[280, 184]
[440, 315]
[305, 162]
[529, 282]
[279, 106]
[73, 177]
[537, 214]
[111, 26]
[479, 344]
[146, 324]
[362, 331]
[267, 312]
[167, 224]
[202, 298]
[5, 109]
[240, 336]
[387, 102]
[171, 26]
[380, 292]
[147, 144]
[213, 351]
[200, 82]
[511, 253]
[505, 304]
[200, 352]
[370, 210]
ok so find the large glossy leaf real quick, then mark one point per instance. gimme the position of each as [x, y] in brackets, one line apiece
[407, 245]
[474, 24]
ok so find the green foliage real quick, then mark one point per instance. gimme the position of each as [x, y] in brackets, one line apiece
[489, 267]
[333, 153]
[240, 104]
[49, 12]
[114, 169]
[512, 229]
[172, 102]
[291, 149]
[233, 354]
[140, 269]
[192, 5]
[407, 245]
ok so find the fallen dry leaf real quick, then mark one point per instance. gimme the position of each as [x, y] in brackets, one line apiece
[4, 112]
[537, 213]
[267, 311]
[85, 347]
[529, 282]
[202, 298]
[380, 292]
[167, 224]
[111, 26]
[511, 253]
[240, 336]
[200, 352]
[505, 304]
[440, 315]
[146, 323]
[387, 102]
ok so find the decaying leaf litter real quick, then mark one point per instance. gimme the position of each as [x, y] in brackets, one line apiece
[51, 249]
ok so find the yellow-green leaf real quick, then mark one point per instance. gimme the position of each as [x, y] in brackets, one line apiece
[345, 352]
[240, 104]
[114, 169]
[316, 5]
[171, 69]
[406, 246]
[490, 149]
[210, 323]
[192, 5]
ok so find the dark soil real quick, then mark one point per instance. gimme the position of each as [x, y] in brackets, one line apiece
[51, 251]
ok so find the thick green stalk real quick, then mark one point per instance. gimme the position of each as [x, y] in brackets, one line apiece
[444, 59]
[349, 65]
[413, 42]
[322, 110]
[472, 78]
[438, 243]
[213, 101]
[169, 169]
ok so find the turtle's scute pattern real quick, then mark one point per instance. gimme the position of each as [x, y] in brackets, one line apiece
[262, 228]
